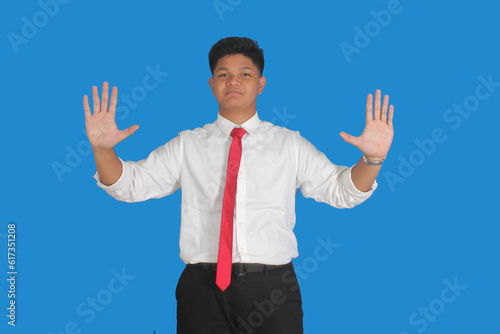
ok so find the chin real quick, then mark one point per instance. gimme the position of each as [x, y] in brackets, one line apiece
[233, 106]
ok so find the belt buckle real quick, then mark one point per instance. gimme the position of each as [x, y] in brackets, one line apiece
[241, 269]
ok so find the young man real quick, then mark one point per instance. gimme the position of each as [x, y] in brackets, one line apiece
[239, 176]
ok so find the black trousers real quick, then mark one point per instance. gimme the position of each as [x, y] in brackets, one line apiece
[254, 303]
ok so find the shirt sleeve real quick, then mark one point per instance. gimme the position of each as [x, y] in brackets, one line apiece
[320, 179]
[154, 177]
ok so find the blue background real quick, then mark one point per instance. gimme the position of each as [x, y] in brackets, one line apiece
[436, 221]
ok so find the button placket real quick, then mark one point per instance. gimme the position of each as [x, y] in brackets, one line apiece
[241, 234]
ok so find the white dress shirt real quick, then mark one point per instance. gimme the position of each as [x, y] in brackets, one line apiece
[275, 162]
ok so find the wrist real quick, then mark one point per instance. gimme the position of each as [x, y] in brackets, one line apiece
[103, 151]
[373, 161]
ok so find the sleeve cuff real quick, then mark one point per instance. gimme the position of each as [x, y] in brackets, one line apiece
[355, 191]
[115, 188]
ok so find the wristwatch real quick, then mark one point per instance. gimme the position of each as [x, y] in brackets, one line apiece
[372, 163]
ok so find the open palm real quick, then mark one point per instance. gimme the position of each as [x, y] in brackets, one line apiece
[376, 138]
[102, 130]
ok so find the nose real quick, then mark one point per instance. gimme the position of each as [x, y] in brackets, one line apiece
[233, 81]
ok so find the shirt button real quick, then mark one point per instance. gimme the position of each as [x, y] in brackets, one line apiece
[241, 172]
[240, 223]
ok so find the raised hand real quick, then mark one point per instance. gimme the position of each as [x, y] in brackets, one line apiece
[376, 138]
[101, 126]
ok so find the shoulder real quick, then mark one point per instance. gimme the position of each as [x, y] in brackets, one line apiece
[198, 132]
[268, 127]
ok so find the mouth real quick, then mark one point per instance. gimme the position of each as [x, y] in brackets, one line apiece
[233, 92]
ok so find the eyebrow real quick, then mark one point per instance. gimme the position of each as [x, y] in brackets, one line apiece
[241, 68]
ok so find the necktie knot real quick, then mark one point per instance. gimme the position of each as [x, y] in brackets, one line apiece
[238, 132]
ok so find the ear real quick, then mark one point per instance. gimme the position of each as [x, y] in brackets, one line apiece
[211, 83]
[262, 84]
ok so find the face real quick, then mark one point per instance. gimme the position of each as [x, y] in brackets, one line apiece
[236, 83]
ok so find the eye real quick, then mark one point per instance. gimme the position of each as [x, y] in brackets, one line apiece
[223, 74]
[246, 74]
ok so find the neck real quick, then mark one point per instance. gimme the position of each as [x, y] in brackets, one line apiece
[237, 116]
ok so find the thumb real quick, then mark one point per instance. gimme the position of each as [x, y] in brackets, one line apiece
[349, 139]
[129, 131]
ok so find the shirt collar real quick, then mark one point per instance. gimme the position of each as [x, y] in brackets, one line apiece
[226, 126]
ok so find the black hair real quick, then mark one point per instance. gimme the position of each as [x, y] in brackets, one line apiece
[236, 45]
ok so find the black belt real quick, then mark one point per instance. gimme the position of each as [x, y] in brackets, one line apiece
[241, 269]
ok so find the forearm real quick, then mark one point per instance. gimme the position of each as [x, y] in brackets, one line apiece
[363, 176]
[108, 165]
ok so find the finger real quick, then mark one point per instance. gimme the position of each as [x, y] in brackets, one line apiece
[369, 107]
[390, 115]
[384, 108]
[95, 96]
[105, 96]
[350, 139]
[127, 132]
[86, 106]
[114, 98]
[376, 109]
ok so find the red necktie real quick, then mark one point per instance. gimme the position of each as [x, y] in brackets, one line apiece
[225, 257]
